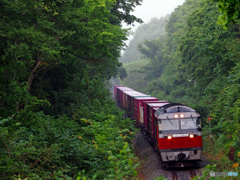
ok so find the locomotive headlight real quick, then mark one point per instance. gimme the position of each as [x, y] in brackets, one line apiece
[176, 115]
[169, 137]
[191, 135]
[182, 115]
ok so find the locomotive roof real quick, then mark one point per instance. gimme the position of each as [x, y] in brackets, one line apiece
[179, 108]
[170, 105]
[167, 111]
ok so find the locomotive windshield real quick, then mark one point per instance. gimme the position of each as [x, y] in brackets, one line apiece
[168, 124]
[190, 123]
[185, 123]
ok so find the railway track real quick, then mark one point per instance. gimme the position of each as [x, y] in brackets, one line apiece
[192, 173]
[187, 174]
[174, 175]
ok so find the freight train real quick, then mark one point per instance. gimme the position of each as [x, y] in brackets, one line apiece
[174, 129]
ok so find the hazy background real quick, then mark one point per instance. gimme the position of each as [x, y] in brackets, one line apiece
[153, 8]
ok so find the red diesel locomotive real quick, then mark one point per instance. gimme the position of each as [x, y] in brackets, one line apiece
[174, 129]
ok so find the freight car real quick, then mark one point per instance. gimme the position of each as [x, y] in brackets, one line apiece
[174, 129]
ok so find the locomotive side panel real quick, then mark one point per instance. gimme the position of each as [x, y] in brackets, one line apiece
[154, 124]
[151, 108]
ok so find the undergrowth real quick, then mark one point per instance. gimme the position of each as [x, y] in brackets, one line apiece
[93, 143]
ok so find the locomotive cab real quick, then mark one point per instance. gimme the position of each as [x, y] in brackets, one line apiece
[179, 137]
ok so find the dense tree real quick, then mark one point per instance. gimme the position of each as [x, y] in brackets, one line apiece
[153, 50]
[197, 63]
[205, 43]
[121, 12]
[55, 38]
[135, 79]
[55, 58]
[229, 10]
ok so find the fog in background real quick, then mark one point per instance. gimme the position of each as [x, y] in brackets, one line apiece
[150, 9]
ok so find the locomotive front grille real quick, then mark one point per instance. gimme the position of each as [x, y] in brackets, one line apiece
[181, 156]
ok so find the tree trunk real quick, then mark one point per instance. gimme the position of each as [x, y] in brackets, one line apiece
[30, 79]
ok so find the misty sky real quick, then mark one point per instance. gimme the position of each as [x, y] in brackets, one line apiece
[153, 8]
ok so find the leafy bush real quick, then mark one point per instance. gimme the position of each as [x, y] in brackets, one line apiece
[38, 146]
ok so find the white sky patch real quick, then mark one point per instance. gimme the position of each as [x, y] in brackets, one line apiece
[153, 8]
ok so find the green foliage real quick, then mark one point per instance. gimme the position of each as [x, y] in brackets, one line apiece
[126, 6]
[229, 12]
[225, 112]
[197, 63]
[135, 79]
[167, 75]
[160, 178]
[41, 39]
[42, 146]
[55, 58]
[36, 150]
[136, 67]
[121, 166]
